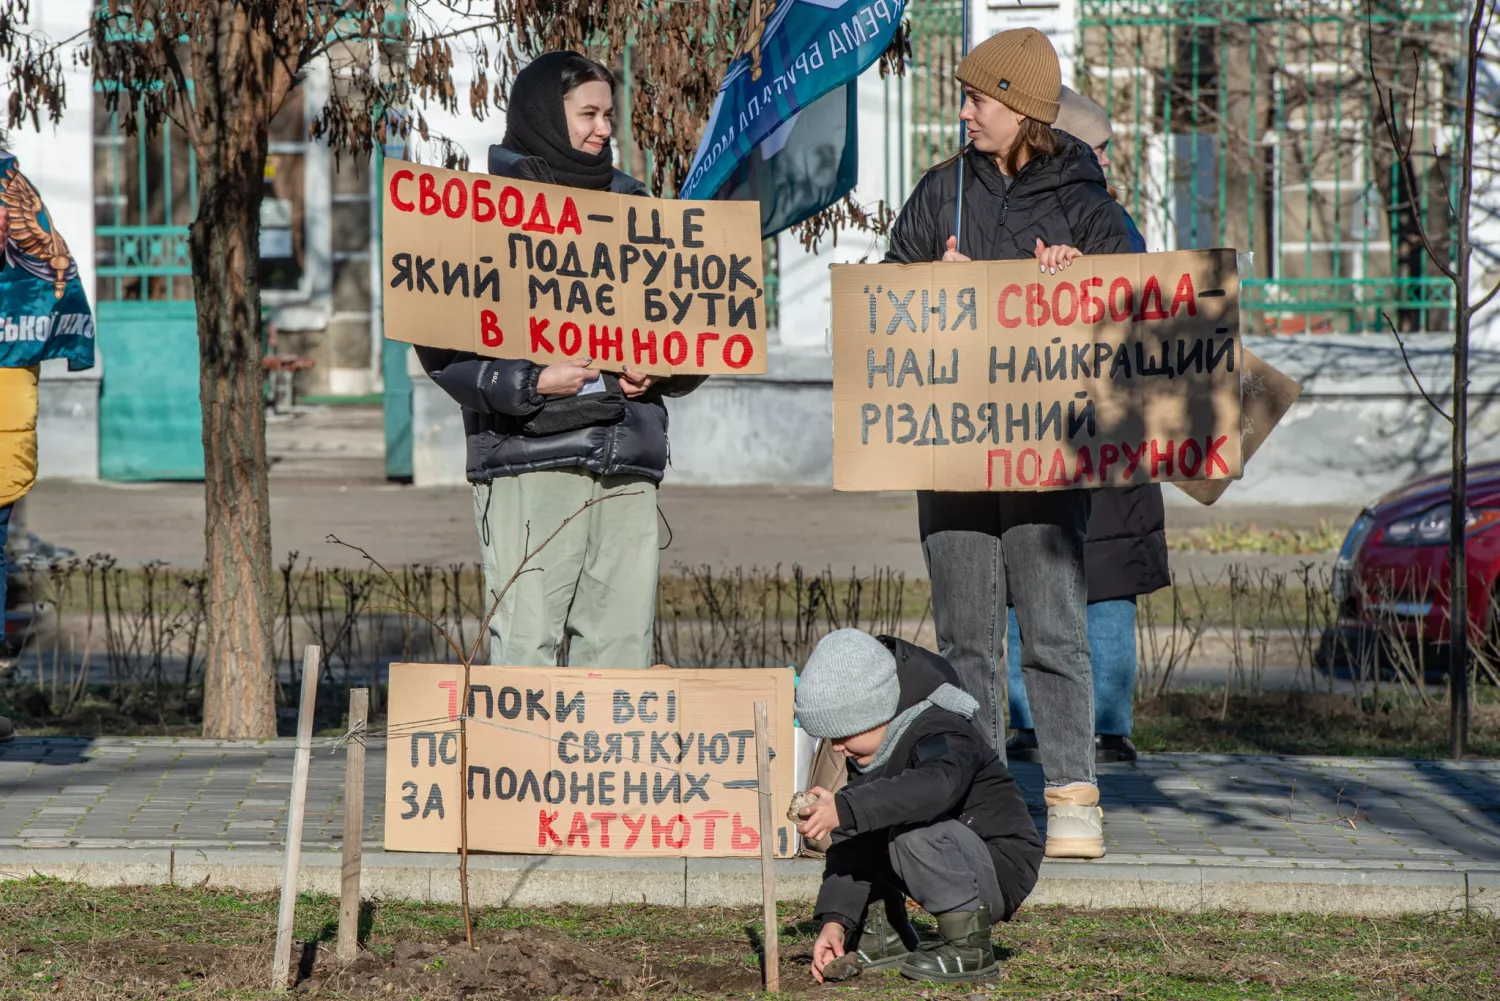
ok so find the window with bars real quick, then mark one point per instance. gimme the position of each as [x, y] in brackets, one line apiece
[1254, 124]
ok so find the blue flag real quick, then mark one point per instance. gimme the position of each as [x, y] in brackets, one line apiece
[43, 310]
[782, 129]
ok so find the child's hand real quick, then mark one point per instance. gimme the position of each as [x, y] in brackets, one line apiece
[820, 819]
[828, 947]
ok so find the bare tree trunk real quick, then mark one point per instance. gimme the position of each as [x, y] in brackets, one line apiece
[239, 698]
[1458, 601]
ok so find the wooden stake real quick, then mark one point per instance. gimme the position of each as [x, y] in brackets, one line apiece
[354, 825]
[769, 940]
[281, 973]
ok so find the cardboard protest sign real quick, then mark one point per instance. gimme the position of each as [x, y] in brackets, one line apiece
[990, 376]
[572, 761]
[516, 269]
[1266, 396]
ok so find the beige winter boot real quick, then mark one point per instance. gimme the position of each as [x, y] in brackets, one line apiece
[1075, 823]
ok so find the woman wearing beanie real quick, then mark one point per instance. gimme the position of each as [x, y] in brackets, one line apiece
[545, 440]
[1125, 556]
[1028, 192]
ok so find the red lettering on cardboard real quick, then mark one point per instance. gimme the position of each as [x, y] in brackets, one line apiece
[569, 218]
[1185, 465]
[539, 341]
[1006, 293]
[1036, 474]
[644, 348]
[989, 466]
[710, 820]
[1057, 473]
[512, 205]
[1084, 469]
[747, 350]
[1036, 303]
[1150, 292]
[484, 208]
[1185, 295]
[1213, 458]
[1160, 459]
[1119, 311]
[570, 338]
[1064, 319]
[1108, 456]
[604, 819]
[742, 838]
[544, 829]
[634, 828]
[1090, 307]
[540, 220]
[428, 196]
[452, 210]
[396, 199]
[578, 831]
[489, 329]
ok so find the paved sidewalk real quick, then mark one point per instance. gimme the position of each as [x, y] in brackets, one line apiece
[1257, 833]
[719, 526]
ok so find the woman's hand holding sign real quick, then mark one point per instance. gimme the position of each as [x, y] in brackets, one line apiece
[564, 378]
[1053, 259]
[635, 384]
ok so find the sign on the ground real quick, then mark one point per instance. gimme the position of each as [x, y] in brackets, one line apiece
[991, 376]
[516, 269]
[571, 761]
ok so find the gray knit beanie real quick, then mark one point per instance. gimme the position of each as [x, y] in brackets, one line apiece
[848, 686]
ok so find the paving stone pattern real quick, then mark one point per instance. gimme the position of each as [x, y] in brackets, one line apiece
[1168, 809]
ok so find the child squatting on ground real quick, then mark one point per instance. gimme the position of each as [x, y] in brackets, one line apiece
[929, 813]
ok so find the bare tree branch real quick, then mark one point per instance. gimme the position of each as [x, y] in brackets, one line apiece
[1413, 372]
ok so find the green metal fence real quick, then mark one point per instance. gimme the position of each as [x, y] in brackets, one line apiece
[1254, 124]
[921, 107]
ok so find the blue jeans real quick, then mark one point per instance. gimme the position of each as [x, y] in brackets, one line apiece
[977, 545]
[4, 534]
[1112, 650]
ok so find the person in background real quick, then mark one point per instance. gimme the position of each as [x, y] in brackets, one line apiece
[543, 441]
[44, 314]
[1029, 193]
[1125, 556]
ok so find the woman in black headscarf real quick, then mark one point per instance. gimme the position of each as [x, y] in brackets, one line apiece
[543, 441]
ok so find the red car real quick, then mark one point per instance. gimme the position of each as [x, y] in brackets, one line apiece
[1392, 571]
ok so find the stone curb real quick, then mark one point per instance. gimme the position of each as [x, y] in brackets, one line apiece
[541, 880]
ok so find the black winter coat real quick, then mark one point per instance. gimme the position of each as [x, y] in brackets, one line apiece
[1063, 200]
[1126, 552]
[941, 768]
[499, 395]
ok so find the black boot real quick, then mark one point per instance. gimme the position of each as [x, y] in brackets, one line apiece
[1113, 747]
[1022, 747]
[963, 953]
[882, 943]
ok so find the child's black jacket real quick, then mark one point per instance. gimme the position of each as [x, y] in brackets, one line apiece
[942, 768]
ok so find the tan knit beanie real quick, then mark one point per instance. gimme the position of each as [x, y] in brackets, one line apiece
[1019, 69]
[1078, 116]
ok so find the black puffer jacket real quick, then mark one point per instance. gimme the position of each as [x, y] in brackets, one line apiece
[499, 394]
[942, 767]
[1061, 199]
[1126, 553]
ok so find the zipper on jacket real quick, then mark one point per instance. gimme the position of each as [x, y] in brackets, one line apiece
[1005, 200]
